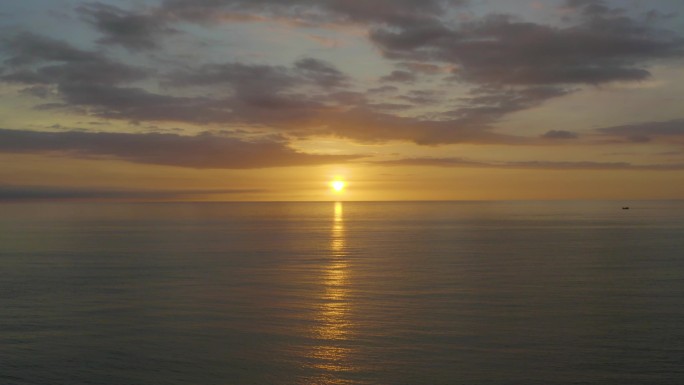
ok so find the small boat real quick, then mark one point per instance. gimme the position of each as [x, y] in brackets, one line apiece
[626, 208]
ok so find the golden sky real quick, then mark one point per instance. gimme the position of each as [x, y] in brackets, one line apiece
[401, 99]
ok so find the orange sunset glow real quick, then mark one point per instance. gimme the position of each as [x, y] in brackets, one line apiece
[508, 100]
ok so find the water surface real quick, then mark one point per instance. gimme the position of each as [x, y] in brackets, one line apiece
[342, 293]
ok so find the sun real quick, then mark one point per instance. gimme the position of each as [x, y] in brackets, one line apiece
[338, 185]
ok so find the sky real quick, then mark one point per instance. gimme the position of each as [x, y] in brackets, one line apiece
[270, 100]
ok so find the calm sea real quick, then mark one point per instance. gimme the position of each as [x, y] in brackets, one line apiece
[342, 293]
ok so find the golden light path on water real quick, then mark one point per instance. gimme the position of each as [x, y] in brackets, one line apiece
[333, 324]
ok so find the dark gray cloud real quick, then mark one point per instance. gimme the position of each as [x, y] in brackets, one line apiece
[382, 90]
[499, 49]
[11, 193]
[320, 73]
[592, 8]
[672, 130]
[512, 66]
[390, 12]
[38, 91]
[51, 106]
[272, 95]
[399, 77]
[559, 134]
[92, 72]
[422, 97]
[137, 104]
[262, 79]
[92, 81]
[389, 106]
[255, 94]
[134, 31]
[27, 48]
[201, 151]
[367, 125]
[247, 78]
[342, 113]
[536, 165]
[35, 60]
[488, 104]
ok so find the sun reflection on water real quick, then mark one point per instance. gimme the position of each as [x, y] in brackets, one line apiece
[333, 324]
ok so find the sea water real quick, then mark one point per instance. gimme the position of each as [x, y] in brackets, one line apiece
[342, 293]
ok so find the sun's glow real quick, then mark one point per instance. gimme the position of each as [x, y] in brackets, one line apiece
[337, 185]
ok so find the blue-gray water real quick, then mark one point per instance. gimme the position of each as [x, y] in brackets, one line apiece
[352, 293]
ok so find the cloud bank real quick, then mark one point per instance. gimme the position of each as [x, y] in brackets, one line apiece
[9, 193]
[202, 151]
[531, 165]
[502, 63]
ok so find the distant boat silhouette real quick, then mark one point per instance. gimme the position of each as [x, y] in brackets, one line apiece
[626, 208]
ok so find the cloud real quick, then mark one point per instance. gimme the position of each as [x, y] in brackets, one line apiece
[399, 77]
[422, 97]
[258, 94]
[424, 68]
[10, 193]
[27, 48]
[672, 130]
[366, 125]
[382, 90]
[431, 162]
[137, 104]
[533, 165]
[508, 64]
[134, 31]
[36, 60]
[202, 151]
[261, 79]
[279, 96]
[559, 134]
[320, 73]
[490, 103]
[307, 98]
[470, 122]
[247, 78]
[514, 64]
[342, 114]
[389, 106]
[314, 12]
[500, 49]
[91, 72]
[592, 8]
[90, 80]
[392, 12]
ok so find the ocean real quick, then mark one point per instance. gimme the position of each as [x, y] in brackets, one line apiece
[342, 293]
